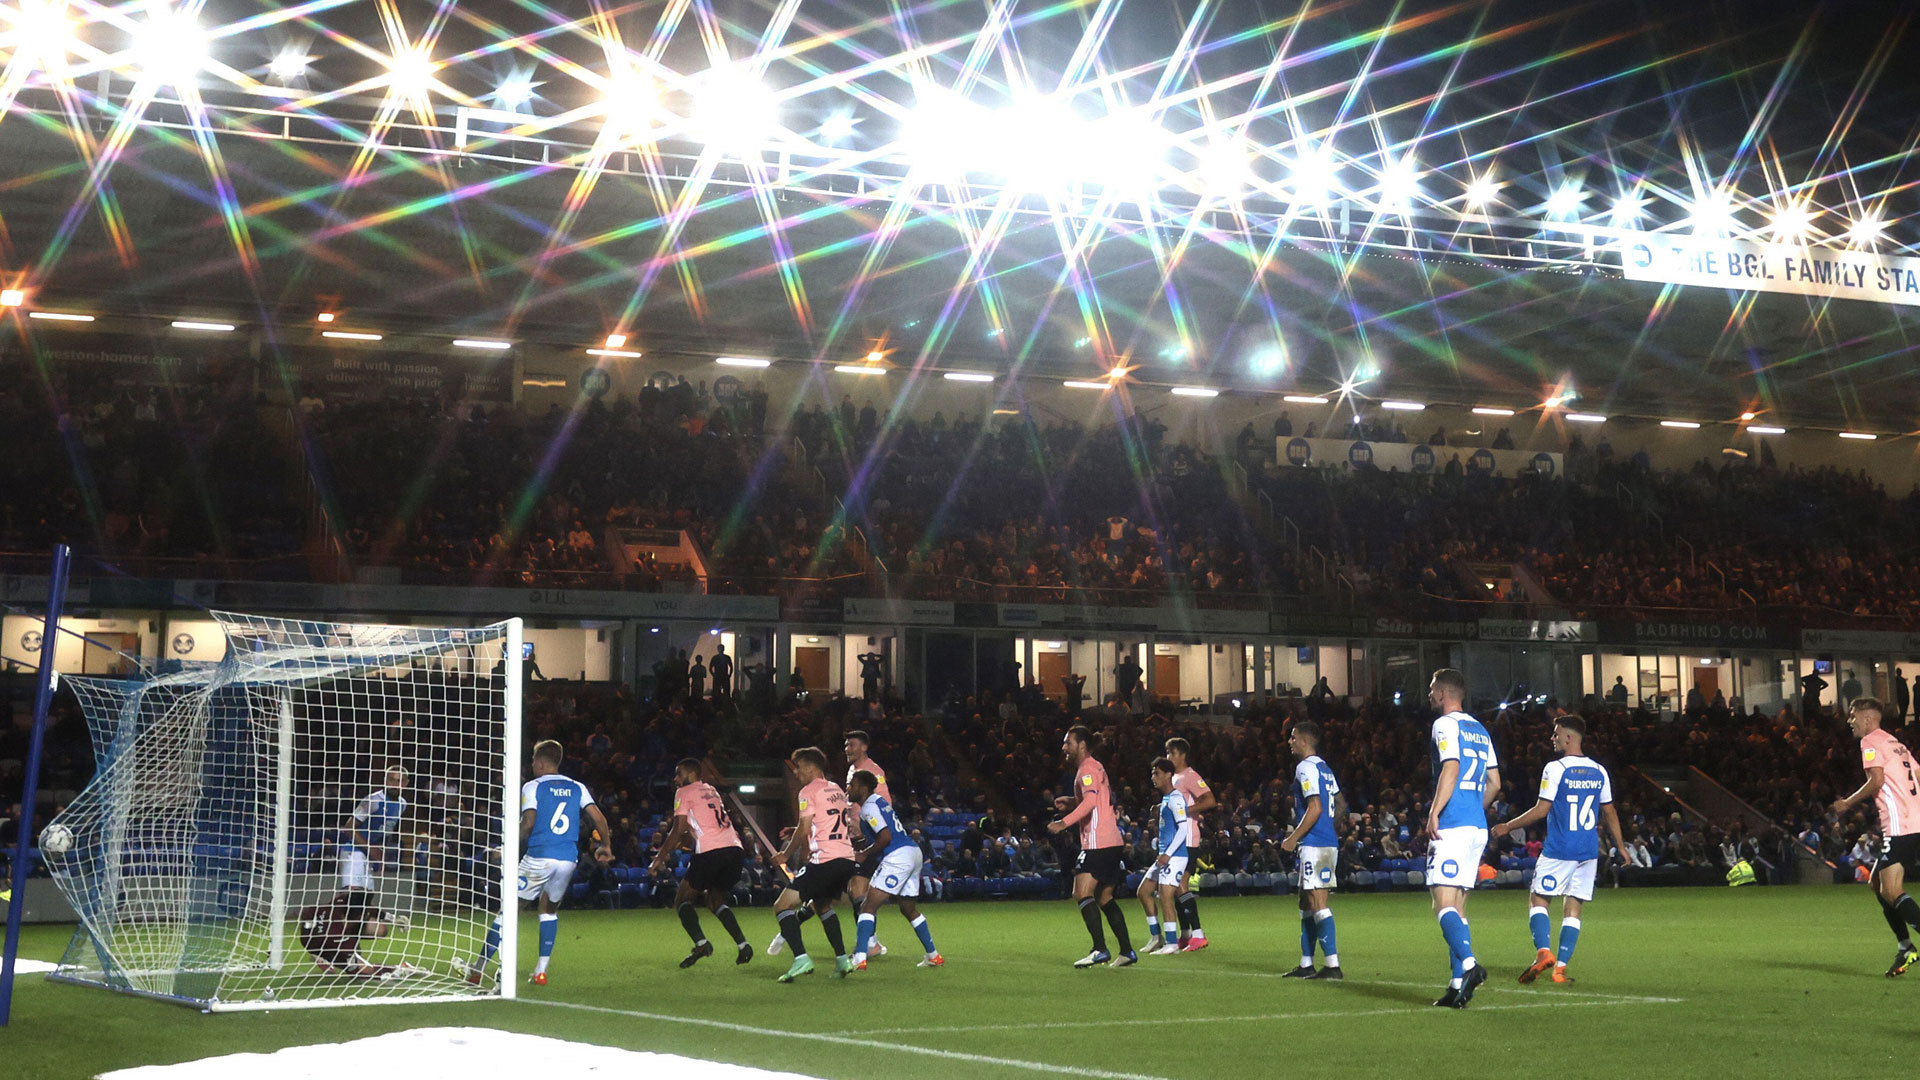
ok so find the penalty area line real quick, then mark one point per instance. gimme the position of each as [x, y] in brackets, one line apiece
[1254, 1018]
[1180, 969]
[852, 1040]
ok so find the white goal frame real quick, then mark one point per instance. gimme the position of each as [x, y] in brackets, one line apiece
[279, 876]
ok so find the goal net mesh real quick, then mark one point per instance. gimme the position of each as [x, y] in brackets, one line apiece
[313, 819]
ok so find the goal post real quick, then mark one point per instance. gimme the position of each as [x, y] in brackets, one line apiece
[326, 816]
[509, 982]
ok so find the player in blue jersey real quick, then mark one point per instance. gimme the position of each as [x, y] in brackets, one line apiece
[1173, 834]
[1576, 795]
[1313, 836]
[891, 863]
[551, 807]
[1466, 780]
[372, 825]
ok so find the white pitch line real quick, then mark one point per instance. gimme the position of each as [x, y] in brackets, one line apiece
[1259, 1017]
[845, 1040]
[1183, 969]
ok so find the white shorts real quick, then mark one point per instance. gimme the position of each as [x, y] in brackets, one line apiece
[355, 872]
[1563, 877]
[899, 873]
[1319, 868]
[1174, 873]
[551, 876]
[1454, 859]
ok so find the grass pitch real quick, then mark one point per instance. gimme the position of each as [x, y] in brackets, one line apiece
[1671, 982]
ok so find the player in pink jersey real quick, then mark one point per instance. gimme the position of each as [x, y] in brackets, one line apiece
[857, 745]
[1893, 783]
[1199, 800]
[1099, 869]
[825, 821]
[700, 816]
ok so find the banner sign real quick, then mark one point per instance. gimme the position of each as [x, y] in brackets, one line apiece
[373, 375]
[1413, 457]
[1679, 259]
[1710, 635]
[896, 612]
[1537, 630]
[1863, 641]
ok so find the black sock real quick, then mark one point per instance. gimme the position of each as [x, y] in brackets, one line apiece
[1117, 918]
[790, 930]
[805, 913]
[1090, 911]
[1180, 915]
[725, 915]
[1908, 910]
[1189, 912]
[830, 922]
[690, 918]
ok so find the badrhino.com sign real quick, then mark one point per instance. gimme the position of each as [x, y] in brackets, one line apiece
[1777, 268]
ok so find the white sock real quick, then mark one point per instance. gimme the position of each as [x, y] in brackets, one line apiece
[1306, 961]
[1455, 983]
[1333, 959]
[540, 967]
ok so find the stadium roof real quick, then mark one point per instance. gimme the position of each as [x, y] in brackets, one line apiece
[1064, 189]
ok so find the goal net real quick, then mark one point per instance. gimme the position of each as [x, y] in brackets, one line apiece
[322, 817]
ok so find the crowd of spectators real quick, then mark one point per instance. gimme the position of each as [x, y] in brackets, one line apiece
[982, 507]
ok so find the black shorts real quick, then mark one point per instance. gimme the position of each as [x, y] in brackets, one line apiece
[717, 870]
[823, 881]
[1899, 850]
[1105, 864]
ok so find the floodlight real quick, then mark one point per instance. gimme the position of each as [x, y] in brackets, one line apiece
[1565, 202]
[1399, 185]
[1792, 223]
[631, 101]
[1482, 192]
[1313, 177]
[733, 111]
[1124, 152]
[1866, 230]
[42, 28]
[1226, 167]
[170, 46]
[288, 64]
[1627, 209]
[946, 134]
[410, 72]
[1712, 215]
[838, 127]
[516, 91]
[12, 297]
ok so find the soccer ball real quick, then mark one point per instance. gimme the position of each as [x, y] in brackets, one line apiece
[56, 839]
[268, 995]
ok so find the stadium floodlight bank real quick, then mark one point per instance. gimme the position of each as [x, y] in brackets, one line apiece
[221, 812]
